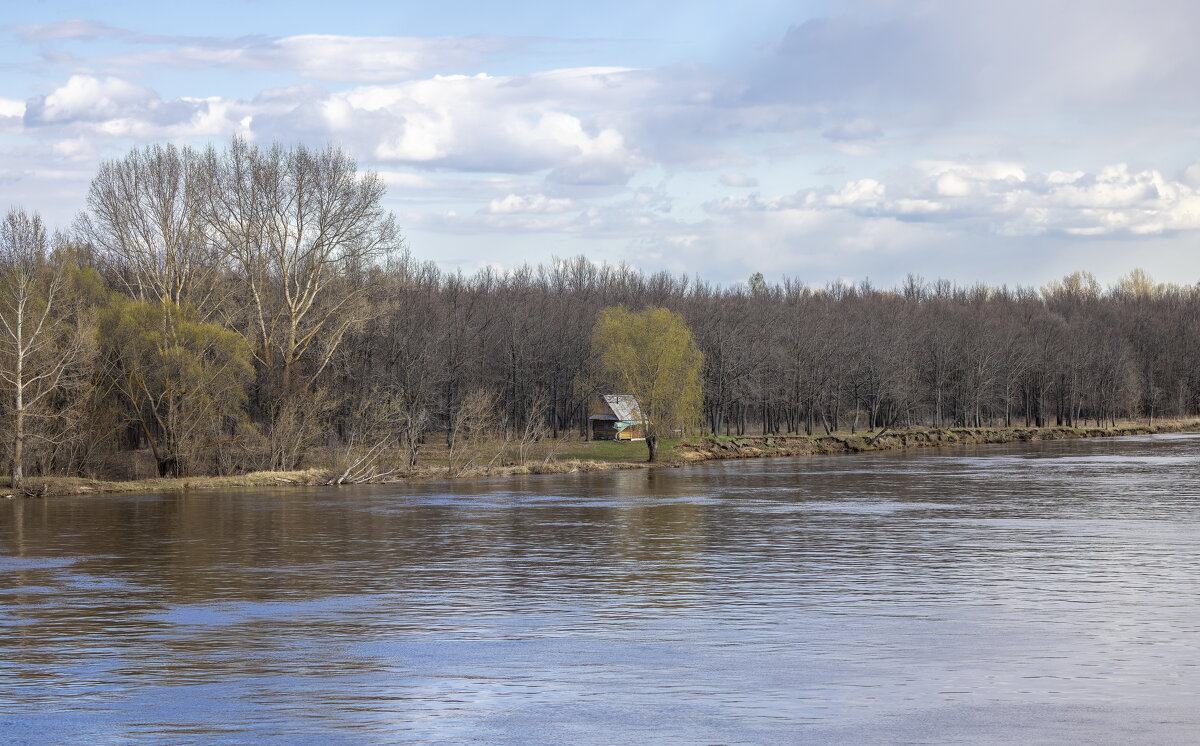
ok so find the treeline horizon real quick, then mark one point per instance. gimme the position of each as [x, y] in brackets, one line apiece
[252, 308]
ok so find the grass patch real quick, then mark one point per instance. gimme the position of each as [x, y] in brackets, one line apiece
[613, 450]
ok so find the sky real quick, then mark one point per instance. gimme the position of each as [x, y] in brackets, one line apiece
[1005, 143]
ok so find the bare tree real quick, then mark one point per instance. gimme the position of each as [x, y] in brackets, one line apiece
[44, 341]
[146, 219]
[298, 226]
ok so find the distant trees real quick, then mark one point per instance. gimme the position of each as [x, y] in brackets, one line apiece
[652, 356]
[253, 306]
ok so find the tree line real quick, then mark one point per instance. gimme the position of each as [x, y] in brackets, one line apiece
[248, 307]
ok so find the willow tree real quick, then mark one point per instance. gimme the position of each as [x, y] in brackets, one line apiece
[182, 381]
[652, 356]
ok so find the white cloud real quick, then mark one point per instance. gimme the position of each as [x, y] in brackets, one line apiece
[405, 180]
[953, 185]
[11, 107]
[1002, 199]
[75, 148]
[864, 193]
[329, 57]
[468, 123]
[87, 98]
[107, 109]
[985, 171]
[642, 214]
[738, 179]
[486, 123]
[73, 28]
[530, 203]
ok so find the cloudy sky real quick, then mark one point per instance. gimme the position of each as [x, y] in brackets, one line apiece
[977, 141]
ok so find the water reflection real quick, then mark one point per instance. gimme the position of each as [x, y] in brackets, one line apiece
[1040, 593]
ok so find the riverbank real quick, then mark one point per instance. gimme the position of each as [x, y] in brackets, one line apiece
[612, 457]
[761, 446]
[67, 486]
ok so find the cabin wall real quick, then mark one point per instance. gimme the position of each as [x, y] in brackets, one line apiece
[604, 430]
[633, 432]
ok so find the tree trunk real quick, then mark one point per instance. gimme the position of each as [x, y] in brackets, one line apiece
[18, 470]
[652, 447]
[19, 421]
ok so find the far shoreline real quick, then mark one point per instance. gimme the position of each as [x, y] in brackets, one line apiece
[710, 448]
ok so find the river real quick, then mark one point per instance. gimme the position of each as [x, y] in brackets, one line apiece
[1034, 593]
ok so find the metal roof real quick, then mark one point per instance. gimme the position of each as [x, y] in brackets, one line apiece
[624, 406]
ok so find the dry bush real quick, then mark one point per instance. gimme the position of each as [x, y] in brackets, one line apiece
[414, 422]
[469, 428]
[535, 430]
[297, 424]
[368, 451]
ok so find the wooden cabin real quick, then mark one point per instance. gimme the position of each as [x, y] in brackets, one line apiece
[616, 417]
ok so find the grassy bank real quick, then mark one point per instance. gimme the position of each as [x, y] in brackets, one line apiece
[45, 486]
[61, 486]
[568, 457]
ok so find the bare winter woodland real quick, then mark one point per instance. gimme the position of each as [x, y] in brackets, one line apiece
[245, 308]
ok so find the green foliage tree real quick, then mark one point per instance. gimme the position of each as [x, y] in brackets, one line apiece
[182, 381]
[652, 356]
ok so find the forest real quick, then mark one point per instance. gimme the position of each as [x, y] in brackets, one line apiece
[244, 307]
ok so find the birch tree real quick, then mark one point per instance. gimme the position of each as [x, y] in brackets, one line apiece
[44, 343]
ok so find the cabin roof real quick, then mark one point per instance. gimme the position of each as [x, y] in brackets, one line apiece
[623, 406]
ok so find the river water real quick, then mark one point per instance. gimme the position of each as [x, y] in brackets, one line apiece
[1043, 593]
